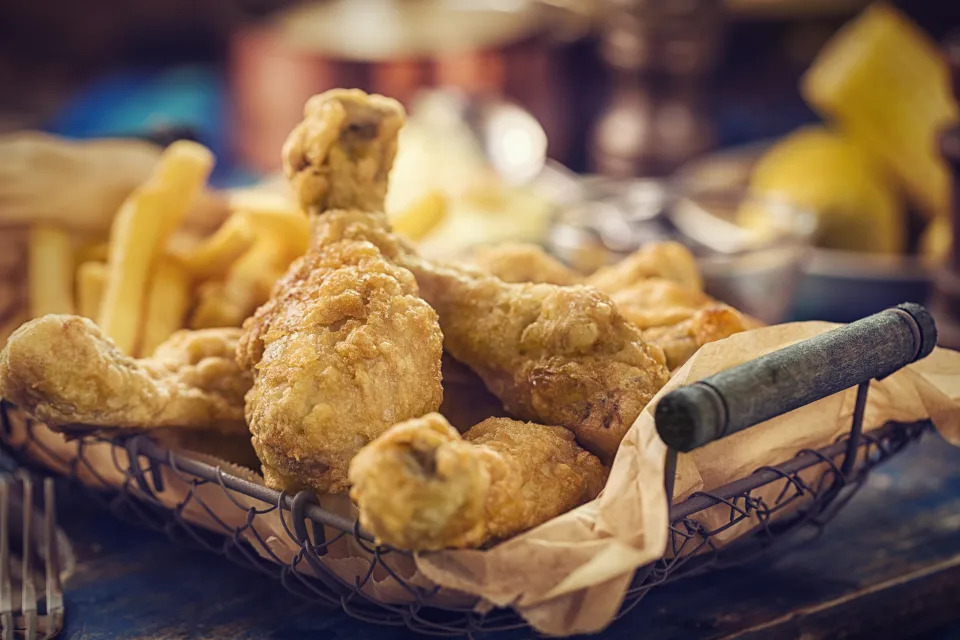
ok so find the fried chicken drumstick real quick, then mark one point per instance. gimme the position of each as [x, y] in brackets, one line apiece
[552, 354]
[657, 288]
[63, 371]
[523, 262]
[556, 355]
[528, 262]
[420, 486]
[345, 347]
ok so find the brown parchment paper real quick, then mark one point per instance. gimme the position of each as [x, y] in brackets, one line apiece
[570, 574]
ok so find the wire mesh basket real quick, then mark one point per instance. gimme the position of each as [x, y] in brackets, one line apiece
[799, 495]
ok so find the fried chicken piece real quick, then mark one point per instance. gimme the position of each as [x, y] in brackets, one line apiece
[668, 260]
[345, 347]
[678, 319]
[420, 486]
[523, 262]
[340, 155]
[63, 371]
[552, 354]
[681, 340]
[205, 359]
[559, 355]
[556, 355]
[527, 262]
[657, 302]
[657, 288]
[343, 350]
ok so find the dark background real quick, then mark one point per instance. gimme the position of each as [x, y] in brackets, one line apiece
[53, 51]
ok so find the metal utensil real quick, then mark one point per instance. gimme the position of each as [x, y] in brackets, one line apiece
[511, 138]
[25, 611]
[756, 273]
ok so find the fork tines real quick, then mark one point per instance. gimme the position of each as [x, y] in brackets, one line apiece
[29, 620]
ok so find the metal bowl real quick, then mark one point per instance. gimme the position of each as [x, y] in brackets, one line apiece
[758, 274]
[839, 286]
[843, 286]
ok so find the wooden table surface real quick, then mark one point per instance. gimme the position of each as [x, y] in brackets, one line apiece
[888, 566]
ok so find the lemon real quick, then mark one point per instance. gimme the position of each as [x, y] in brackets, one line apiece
[887, 83]
[829, 175]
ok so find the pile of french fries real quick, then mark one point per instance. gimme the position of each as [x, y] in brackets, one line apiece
[150, 278]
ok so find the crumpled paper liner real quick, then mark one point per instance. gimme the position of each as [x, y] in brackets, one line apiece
[569, 575]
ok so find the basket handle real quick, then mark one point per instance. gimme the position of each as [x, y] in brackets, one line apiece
[771, 385]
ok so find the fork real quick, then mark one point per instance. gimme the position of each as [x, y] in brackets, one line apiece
[26, 621]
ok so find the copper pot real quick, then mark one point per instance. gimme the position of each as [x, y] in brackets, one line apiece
[396, 48]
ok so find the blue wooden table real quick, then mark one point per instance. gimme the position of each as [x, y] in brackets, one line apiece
[888, 566]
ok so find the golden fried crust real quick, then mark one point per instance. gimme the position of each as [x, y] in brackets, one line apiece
[527, 262]
[656, 289]
[343, 350]
[546, 473]
[680, 341]
[524, 262]
[557, 355]
[339, 156]
[351, 224]
[657, 302]
[63, 371]
[420, 486]
[561, 357]
[676, 318]
[205, 359]
[669, 260]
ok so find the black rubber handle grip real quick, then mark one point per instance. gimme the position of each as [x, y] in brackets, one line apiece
[745, 395]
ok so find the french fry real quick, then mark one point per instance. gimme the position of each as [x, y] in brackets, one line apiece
[256, 214]
[14, 288]
[212, 258]
[182, 242]
[417, 220]
[135, 239]
[91, 281]
[260, 200]
[50, 271]
[167, 302]
[139, 233]
[289, 229]
[183, 170]
[246, 287]
[273, 214]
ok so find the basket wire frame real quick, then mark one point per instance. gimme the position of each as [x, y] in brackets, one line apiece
[808, 491]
